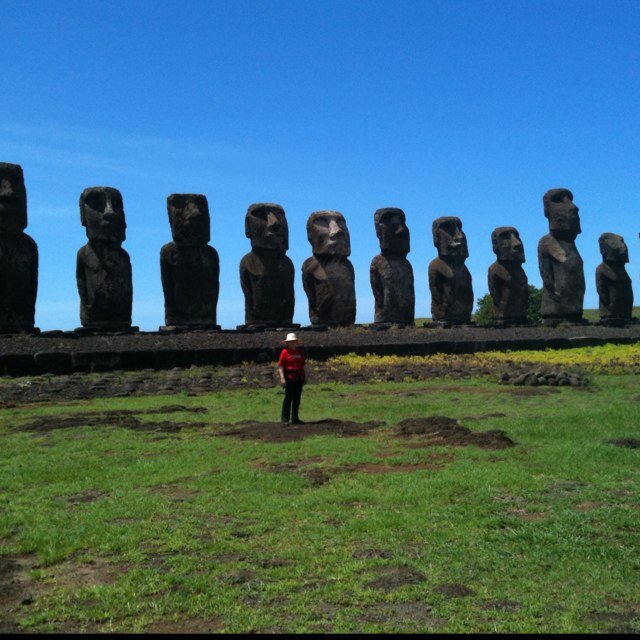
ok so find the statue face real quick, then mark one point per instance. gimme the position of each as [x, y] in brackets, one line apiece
[266, 225]
[507, 244]
[392, 231]
[613, 248]
[189, 218]
[449, 238]
[562, 213]
[102, 213]
[328, 234]
[13, 200]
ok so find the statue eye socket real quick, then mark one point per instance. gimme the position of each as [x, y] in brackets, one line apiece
[96, 201]
[559, 197]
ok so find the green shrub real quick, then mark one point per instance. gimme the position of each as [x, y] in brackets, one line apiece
[484, 312]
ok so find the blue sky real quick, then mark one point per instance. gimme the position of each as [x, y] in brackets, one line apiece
[467, 108]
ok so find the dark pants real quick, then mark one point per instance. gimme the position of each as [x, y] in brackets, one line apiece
[291, 403]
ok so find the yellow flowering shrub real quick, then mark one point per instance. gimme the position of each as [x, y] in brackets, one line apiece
[606, 359]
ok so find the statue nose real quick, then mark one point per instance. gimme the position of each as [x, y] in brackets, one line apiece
[399, 230]
[334, 229]
[272, 222]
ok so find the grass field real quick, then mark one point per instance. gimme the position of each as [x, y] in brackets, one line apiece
[111, 527]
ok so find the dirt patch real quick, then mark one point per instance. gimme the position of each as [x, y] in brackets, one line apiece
[391, 578]
[444, 431]
[528, 516]
[229, 558]
[617, 621]
[176, 408]
[584, 507]
[525, 392]
[484, 416]
[626, 443]
[502, 605]
[123, 419]
[454, 590]
[376, 467]
[371, 554]
[244, 576]
[277, 432]
[17, 591]
[317, 476]
[186, 625]
[402, 614]
[97, 571]
[88, 495]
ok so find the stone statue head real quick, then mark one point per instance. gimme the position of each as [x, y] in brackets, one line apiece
[449, 238]
[507, 245]
[102, 213]
[13, 200]
[392, 231]
[328, 234]
[562, 213]
[266, 225]
[189, 218]
[613, 248]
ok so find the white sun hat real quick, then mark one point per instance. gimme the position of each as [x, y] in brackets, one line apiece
[291, 337]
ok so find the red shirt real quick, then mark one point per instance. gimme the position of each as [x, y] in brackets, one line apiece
[292, 361]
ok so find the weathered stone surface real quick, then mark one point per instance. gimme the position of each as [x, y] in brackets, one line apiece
[266, 273]
[18, 254]
[561, 266]
[328, 276]
[507, 279]
[449, 279]
[391, 273]
[189, 267]
[103, 267]
[613, 282]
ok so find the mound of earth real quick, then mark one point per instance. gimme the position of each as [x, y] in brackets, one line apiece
[443, 431]
[123, 418]
[626, 443]
[277, 432]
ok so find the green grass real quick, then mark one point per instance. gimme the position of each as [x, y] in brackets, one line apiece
[195, 526]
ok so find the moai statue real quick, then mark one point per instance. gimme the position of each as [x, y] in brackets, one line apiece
[559, 261]
[328, 276]
[266, 273]
[391, 273]
[189, 267]
[18, 255]
[507, 279]
[613, 282]
[103, 267]
[449, 278]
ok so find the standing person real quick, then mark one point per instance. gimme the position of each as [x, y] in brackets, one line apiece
[292, 377]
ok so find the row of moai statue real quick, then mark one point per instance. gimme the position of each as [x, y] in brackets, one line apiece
[190, 267]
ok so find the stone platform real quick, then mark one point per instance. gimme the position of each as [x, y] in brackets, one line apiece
[67, 352]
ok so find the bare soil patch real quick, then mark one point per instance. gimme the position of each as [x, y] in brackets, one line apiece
[401, 613]
[502, 605]
[18, 590]
[186, 625]
[626, 443]
[391, 578]
[97, 571]
[442, 431]
[124, 419]
[88, 495]
[376, 467]
[454, 590]
[277, 432]
[371, 554]
[616, 621]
